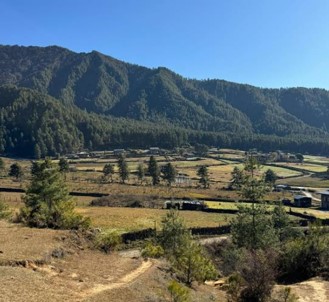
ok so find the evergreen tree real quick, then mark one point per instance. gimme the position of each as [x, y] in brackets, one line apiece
[47, 200]
[2, 165]
[187, 256]
[37, 151]
[253, 189]
[154, 170]
[204, 176]
[237, 179]
[64, 166]
[201, 149]
[300, 157]
[16, 171]
[169, 173]
[141, 172]
[270, 177]
[123, 169]
[253, 228]
[108, 171]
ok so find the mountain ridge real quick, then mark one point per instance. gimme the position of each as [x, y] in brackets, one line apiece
[104, 87]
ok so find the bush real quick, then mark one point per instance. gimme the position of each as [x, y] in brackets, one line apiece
[258, 270]
[5, 212]
[153, 251]
[107, 240]
[178, 292]
[307, 256]
[234, 287]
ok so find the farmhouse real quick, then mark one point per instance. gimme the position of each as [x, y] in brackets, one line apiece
[325, 200]
[154, 150]
[184, 205]
[118, 152]
[302, 201]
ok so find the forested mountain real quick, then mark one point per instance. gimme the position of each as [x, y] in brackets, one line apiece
[53, 100]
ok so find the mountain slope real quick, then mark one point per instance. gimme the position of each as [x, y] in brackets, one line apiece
[102, 102]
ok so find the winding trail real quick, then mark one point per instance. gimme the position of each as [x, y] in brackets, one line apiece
[124, 280]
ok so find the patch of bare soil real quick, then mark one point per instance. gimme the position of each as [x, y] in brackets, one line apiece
[313, 290]
[21, 243]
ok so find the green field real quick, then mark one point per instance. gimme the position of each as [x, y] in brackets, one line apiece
[321, 160]
[305, 166]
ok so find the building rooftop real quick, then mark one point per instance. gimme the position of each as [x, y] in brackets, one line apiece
[325, 192]
[301, 197]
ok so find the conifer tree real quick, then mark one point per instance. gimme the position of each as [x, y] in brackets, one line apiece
[108, 171]
[123, 169]
[154, 170]
[140, 172]
[16, 171]
[204, 176]
[64, 166]
[169, 173]
[2, 165]
[47, 200]
[237, 179]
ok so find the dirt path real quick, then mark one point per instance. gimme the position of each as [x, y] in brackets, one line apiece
[125, 280]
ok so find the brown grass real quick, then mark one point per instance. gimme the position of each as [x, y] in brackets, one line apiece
[20, 243]
[125, 219]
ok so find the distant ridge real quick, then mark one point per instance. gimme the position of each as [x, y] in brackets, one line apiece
[53, 100]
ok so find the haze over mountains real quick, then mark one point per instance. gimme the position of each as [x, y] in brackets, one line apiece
[53, 100]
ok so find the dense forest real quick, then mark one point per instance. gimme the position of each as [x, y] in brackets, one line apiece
[54, 101]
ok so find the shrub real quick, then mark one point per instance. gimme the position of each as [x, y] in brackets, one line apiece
[107, 240]
[307, 256]
[258, 270]
[5, 212]
[152, 250]
[178, 292]
[234, 287]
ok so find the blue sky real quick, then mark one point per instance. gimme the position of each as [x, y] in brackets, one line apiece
[267, 43]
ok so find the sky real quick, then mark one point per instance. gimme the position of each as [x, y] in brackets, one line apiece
[266, 43]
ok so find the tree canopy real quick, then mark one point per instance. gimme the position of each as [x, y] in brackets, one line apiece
[47, 200]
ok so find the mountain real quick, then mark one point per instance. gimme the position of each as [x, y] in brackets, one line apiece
[53, 100]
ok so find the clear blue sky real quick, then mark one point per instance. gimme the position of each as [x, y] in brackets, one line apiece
[267, 43]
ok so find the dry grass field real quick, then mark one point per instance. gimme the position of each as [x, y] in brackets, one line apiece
[306, 181]
[306, 166]
[127, 219]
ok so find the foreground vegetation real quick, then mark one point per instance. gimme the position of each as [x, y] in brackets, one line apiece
[264, 246]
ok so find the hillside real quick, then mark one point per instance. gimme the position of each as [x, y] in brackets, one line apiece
[63, 266]
[53, 100]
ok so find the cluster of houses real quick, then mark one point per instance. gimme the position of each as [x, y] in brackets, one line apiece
[275, 156]
[114, 153]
